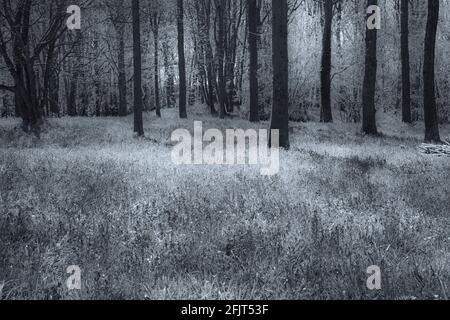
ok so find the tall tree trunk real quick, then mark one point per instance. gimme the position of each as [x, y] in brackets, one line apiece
[253, 34]
[211, 75]
[370, 79]
[27, 105]
[122, 72]
[156, 66]
[406, 72]
[431, 117]
[325, 73]
[221, 86]
[181, 61]
[137, 61]
[280, 60]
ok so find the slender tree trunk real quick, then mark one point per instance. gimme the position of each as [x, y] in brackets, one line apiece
[221, 86]
[431, 117]
[122, 72]
[156, 70]
[253, 34]
[325, 73]
[370, 79]
[181, 61]
[211, 75]
[137, 60]
[406, 72]
[280, 60]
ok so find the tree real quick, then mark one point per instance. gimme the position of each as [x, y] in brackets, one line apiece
[50, 90]
[253, 35]
[118, 17]
[370, 78]
[155, 21]
[20, 52]
[235, 11]
[137, 62]
[406, 77]
[204, 52]
[429, 95]
[325, 73]
[280, 61]
[220, 44]
[181, 60]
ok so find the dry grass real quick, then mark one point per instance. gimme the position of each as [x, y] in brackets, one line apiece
[88, 193]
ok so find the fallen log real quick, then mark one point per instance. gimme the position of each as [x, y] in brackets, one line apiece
[434, 149]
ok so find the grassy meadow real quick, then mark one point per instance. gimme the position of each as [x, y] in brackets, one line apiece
[88, 193]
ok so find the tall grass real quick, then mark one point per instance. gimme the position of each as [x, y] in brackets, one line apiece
[89, 194]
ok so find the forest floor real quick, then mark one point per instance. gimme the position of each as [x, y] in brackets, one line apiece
[89, 194]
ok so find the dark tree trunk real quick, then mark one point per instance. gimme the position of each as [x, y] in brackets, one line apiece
[406, 72]
[253, 35]
[156, 63]
[137, 62]
[123, 110]
[211, 78]
[430, 108]
[370, 79]
[27, 105]
[280, 60]
[221, 86]
[325, 73]
[181, 61]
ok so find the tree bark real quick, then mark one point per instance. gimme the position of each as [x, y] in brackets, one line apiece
[370, 79]
[406, 71]
[325, 73]
[137, 61]
[253, 34]
[430, 108]
[181, 61]
[280, 60]
[221, 86]
[156, 59]
[27, 105]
